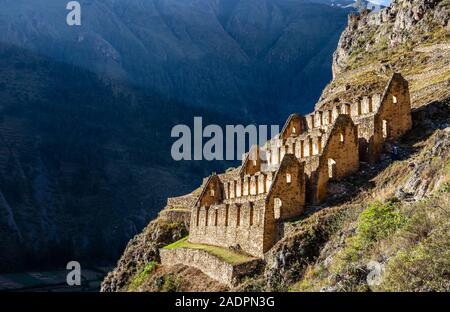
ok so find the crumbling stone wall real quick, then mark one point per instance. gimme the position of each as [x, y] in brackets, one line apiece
[288, 189]
[244, 210]
[295, 124]
[230, 225]
[212, 192]
[285, 200]
[224, 272]
[391, 119]
[340, 157]
[252, 162]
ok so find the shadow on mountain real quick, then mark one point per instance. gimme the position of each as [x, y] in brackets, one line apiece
[85, 162]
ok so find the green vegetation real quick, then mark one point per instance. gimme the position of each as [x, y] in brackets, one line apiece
[141, 276]
[374, 224]
[425, 266]
[378, 221]
[170, 283]
[423, 260]
[177, 209]
[225, 254]
[411, 240]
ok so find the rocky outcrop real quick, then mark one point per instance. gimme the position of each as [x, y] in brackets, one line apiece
[140, 251]
[401, 22]
[424, 179]
[287, 260]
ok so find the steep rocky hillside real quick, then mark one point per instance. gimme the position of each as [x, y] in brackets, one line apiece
[392, 216]
[411, 37]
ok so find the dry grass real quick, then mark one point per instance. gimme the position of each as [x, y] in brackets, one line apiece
[225, 254]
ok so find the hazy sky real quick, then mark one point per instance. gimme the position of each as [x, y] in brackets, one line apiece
[383, 2]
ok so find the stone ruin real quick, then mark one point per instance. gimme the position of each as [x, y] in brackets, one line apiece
[244, 209]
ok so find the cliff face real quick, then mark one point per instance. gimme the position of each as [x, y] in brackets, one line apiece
[390, 219]
[402, 22]
[410, 37]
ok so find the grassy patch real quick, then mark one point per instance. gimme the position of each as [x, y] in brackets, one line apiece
[141, 276]
[414, 240]
[375, 223]
[379, 221]
[422, 262]
[223, 253]
[177, 209]
[170, 284]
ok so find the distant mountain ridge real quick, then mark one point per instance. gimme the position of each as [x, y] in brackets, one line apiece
[86, 113]
[84, 162]
[246, 54]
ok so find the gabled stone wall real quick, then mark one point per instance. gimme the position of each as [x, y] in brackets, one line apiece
[340, 157]
[230, 225]
[244, 210]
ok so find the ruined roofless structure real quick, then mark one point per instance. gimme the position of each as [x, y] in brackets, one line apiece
[246, 209]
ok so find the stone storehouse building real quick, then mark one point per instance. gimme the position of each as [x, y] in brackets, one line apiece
[244, 208]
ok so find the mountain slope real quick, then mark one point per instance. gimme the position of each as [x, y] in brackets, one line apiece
[250, 54]
[84, 162]
[394, 213]
[409, 37]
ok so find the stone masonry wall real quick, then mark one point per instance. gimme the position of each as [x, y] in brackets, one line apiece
[230, 225]
[286, 198]
[214, 267]
[245, 210]
[340, 157]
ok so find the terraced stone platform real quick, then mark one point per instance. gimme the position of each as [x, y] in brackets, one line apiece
[221, 264]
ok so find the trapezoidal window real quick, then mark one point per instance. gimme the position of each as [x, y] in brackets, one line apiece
[394, 99]
[216, 216]
[348, 109]
[288, 178]
[238, 215]
[385, 129]
[294, 130]
[227, 208]
[197, 217]
[277, 208]
[341, 137]
[212, 193]
[331, 168]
